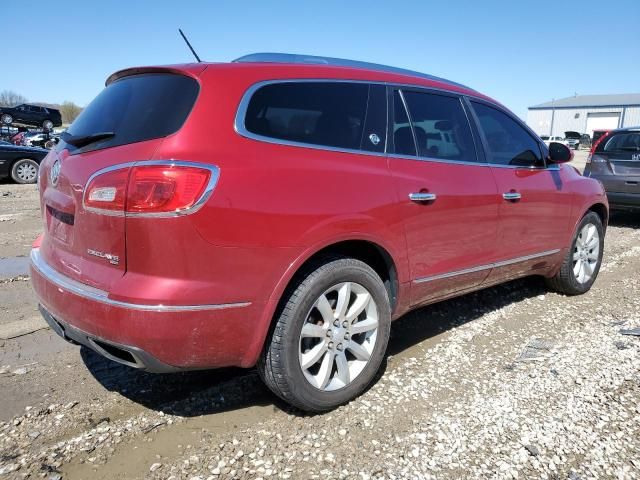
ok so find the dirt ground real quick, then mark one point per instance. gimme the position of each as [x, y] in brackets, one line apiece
[510, 382]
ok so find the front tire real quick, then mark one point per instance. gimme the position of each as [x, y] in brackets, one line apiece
[330, 335]
[25, 171]
[583, 260]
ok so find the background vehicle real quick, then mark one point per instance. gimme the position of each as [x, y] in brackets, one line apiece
[20, 163]
[585, 141]
[41, 139]
[35, 115]
[556, 139]
[596, 136]
[573, 139]
[331, 197]
[615, 161]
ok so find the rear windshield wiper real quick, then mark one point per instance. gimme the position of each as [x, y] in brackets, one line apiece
[83, 140]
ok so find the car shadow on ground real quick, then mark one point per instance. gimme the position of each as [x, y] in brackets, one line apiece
[198, 393]
[625, 219]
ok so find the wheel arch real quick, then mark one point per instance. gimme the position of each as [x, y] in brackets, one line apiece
[369, 251]
[602, 211]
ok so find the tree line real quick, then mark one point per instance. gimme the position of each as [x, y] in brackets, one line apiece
[68, 109]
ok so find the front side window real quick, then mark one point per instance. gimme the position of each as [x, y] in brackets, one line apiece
[508, 142]
[319, 113]
[440, 127]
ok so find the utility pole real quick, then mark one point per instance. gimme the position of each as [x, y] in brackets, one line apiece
[553, 114]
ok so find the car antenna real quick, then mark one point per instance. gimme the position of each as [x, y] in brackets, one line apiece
[189, 45]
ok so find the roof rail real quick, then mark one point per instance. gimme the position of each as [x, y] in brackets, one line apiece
[338, 62]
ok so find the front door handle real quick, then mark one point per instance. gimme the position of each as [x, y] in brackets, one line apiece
[511, 196]
[422, 197]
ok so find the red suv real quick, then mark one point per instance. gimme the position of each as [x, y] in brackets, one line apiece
[281, 211]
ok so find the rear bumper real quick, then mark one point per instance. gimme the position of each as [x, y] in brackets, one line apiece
[628, 201]
[125, 354]
[157, 338]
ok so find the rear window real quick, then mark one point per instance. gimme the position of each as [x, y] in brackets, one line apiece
[319, 113]
[135, 109]
[620, 143]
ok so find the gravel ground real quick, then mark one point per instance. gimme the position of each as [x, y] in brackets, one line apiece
[509, 382]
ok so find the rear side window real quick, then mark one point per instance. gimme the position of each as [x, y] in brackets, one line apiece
[624, 142]
[137, 108]
[330, 114]
[508, 142]
[440, 126]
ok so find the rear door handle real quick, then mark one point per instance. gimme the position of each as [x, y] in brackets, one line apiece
[511, 196]
[422, 197]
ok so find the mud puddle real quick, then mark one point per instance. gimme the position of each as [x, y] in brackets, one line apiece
[13, 267]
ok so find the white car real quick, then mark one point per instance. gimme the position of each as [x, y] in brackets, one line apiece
[547, 139]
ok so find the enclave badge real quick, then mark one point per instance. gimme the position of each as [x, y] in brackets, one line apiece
[113, 259]
[54, 173]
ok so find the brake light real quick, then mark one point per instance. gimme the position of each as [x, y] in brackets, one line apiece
[155, 189]
[598, 142]
[596, 159]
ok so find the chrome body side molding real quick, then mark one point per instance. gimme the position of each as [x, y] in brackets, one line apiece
[488, 266]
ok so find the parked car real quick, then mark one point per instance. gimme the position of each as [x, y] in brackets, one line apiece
[330, 198]
[597, 134]
[34, 115]
[573, 139]
[41, 139]
[556, 139]
[20, 163]
[615, 161]
[585, 141]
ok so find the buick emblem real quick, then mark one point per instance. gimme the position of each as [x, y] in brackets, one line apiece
[54, 173]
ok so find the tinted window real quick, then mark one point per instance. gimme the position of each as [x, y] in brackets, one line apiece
[440, 126]
[319, 113]
[136, 108]
[508, 142]
[624, 142]
[403, 141]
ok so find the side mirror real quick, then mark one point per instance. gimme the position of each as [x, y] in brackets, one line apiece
[559, 153]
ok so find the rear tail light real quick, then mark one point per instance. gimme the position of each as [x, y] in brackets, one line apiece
[154, 189]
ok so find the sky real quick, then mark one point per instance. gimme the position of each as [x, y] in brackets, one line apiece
[519, 52]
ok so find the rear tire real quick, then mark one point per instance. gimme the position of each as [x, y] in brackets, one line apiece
[25, 171]
[583, 260]
[6, 118]
[47, 124]
[330, 335]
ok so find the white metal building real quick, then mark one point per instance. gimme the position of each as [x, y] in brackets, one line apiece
[585, 113]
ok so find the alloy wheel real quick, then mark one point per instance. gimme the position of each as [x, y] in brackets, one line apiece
[338, 336]
[586, 253]
[26, 172]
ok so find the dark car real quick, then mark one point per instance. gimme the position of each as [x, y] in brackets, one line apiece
[36, 115]
[615, 161]
[597, 134]
[585, 141]
[573, 139]
[21, 163]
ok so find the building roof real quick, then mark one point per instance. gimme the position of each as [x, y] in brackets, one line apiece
[582, 101]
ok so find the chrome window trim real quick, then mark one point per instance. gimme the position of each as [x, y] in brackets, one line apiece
[488, 266]
[211, 185]
[240, 129]
[91, 293]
